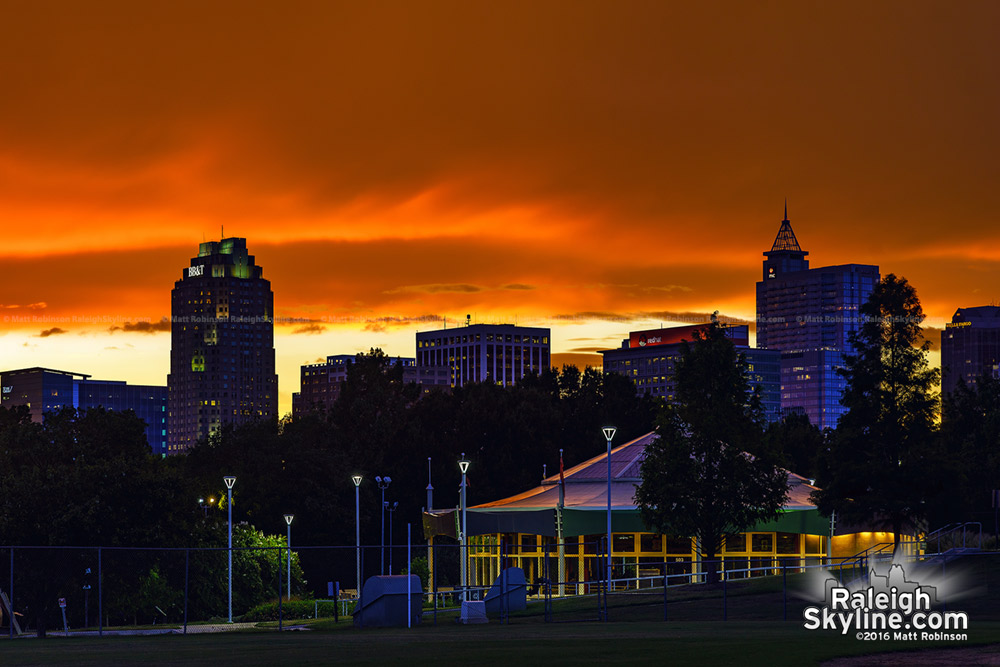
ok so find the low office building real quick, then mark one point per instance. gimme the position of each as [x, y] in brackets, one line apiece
[500, 353]
[526, 528]
[970, 347]
[320, 383]
[647, 358]
[46, 389]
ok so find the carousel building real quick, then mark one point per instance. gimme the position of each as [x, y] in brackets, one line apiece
[566, 523]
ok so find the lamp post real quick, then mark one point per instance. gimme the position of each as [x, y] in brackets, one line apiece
[392, 508]
[357, 530]
[204, 505]
[288, 520]
[230, 480]
[609, 433]
[463, 465]
[383, 484]
[430, 488]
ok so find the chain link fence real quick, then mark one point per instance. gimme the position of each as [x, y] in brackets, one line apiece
[122, 590]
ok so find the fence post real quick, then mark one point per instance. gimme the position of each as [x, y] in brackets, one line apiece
[725, 602]
[187, 572]
[784, 585]
[10, 599]
[279, 591]
[100, 595]
[547, 599]
[409, 573]
[664, 590]
[434, 581]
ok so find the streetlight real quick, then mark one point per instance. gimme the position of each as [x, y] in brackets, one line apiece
[392, 508]
[383, 484]
[430, 488]
[230, 480]
[357, 530]
[288, 520]
[463, 465]
[609, 433]
[205, 505]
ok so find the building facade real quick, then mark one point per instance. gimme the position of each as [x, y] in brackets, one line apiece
[648, 357]
[970, 347]
[222, 344]
[500, 353]
[320, 383]
[46, 389]
[809, 315]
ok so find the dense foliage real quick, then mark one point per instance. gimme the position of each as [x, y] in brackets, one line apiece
[89, 479]
[710, 473]
[884, 461]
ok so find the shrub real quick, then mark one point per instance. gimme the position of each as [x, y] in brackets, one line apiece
[295, 609]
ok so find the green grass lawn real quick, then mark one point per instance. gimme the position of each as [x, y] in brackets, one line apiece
[705, 643]
[754, 634]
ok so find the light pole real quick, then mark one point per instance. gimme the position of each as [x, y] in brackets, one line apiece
[288, 520]
[609, 433]
[205, 505]
[430, 489]
[463, 465]
[392, 508]
[230, 480]
[357, 530]
[383, 484]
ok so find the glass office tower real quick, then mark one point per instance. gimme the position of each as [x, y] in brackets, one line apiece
[222, 344]
[810, 314]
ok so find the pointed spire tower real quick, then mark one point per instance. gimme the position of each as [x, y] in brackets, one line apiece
[785, 255]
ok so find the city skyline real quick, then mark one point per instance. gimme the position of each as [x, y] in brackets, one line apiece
[595, 172]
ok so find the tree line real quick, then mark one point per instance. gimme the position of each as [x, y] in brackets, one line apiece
[88, 479]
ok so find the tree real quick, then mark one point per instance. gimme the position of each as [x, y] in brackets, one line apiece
[799, 441]
[83, 479]
[880, 467]
[970, 443]
[710, 473]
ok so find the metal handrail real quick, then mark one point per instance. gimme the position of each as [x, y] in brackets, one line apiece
[950, 528]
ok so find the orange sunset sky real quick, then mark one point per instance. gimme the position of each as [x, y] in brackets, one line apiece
[593, 167]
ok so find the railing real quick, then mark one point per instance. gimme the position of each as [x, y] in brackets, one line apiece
[951, 528]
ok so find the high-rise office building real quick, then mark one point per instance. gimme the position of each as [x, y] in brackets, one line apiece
[648, 357]
[222, 344]
[810, 314]
[320, 384]
[46, 389]
[501, 353]
[970, 346]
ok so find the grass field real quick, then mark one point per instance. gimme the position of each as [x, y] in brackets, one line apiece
[704, 643]
[754, 634]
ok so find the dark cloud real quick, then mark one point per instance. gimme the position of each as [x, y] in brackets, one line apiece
[435, 289]
[54, 331]
[310, 329]
[144, 327]
[669, 318]
[519, 286]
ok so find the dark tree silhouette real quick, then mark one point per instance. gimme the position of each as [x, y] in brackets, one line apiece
[710, 473]
[882, 464]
